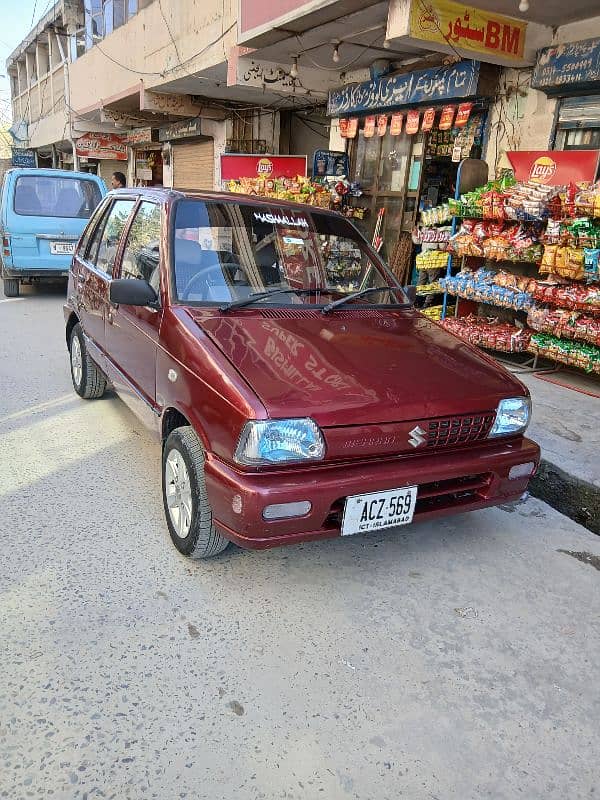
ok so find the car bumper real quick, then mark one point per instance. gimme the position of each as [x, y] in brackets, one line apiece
[449, 482]
[50, 272]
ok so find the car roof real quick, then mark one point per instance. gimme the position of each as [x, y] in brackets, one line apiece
[165, 194]
[47, 172]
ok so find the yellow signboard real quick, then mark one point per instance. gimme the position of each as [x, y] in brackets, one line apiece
[467, 28]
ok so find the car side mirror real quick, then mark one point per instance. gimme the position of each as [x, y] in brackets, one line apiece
[132, 292]
[411, 293]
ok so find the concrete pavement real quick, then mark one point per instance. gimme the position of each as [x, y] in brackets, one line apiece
[454, 659]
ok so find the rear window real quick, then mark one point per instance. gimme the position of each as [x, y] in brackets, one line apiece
[49, 196]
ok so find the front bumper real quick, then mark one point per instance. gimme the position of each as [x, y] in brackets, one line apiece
[449, 482]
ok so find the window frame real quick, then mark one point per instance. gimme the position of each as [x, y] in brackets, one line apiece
[101, 228]
[118, 270]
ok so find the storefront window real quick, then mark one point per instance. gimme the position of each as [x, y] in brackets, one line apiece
[367, 159]
[582, 139]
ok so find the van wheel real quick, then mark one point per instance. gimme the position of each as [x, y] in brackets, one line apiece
[189, 515]
[11, 287]
[88, 381]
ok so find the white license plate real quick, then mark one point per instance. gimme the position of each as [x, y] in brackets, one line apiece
[62, 248]
[370, 512]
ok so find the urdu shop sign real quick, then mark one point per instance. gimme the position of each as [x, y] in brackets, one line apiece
[452, 27]
[411, 88]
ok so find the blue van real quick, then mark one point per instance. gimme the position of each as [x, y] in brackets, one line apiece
[42, 215]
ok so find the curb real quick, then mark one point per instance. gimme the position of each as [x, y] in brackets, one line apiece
[571, 496]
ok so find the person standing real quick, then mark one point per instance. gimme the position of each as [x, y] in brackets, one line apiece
[118, 181]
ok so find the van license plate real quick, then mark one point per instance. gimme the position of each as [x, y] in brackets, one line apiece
[370, 512]
[62, 248]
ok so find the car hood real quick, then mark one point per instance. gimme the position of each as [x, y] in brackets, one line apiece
[356, 367]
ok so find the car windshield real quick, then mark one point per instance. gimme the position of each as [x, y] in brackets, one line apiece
[53, 196]
[227, 252]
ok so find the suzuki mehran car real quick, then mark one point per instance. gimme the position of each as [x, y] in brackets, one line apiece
[43, 212]
[297, 393]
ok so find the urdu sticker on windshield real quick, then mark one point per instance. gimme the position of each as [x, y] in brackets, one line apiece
[291, 221]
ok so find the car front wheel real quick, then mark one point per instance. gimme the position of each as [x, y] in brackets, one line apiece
[88, 381]
[188, 512]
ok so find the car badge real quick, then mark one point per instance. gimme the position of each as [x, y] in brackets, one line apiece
[416, 437]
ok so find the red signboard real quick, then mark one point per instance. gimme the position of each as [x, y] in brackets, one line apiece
[555, 167]
[102, 146]
[428, 119]
[382, 121]
[412, 122]
[352, 128]
[463, 114]
[234, 167]
[396, 124]
[369, 129]
[447, 118]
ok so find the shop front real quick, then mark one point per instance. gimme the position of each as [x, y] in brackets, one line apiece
[571, 73]
[102, 154]
[406, 135]
[189, 156]
[145, 157]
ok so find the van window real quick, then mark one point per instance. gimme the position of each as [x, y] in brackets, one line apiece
[50, 196]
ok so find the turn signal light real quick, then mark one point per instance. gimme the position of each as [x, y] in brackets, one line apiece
[286, 510]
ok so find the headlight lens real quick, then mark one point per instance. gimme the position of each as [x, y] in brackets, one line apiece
[512, 416]
[278, 441]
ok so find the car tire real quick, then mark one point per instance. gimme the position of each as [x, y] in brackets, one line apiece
[188, 512]
[88, 380]
[11, 287]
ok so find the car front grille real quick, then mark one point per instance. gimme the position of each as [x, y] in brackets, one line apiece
[456, 431]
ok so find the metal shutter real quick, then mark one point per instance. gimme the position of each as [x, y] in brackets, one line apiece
[194, 165]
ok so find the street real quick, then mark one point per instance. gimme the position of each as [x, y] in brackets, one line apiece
[449, 659]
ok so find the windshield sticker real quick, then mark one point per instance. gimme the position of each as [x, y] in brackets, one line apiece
[216, 239]
[281, 219]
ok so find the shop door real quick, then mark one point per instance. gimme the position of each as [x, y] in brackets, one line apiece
[194, 166]
[388, 169]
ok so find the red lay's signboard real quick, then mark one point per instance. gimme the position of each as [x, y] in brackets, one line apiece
[555, 167]
[234, 167]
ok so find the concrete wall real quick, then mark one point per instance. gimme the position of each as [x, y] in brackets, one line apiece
[522, 118]
[145, 52]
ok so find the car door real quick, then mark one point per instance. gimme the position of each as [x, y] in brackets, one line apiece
[132, 331]
[95, 268]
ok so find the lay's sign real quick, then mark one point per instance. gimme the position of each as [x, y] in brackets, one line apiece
[555, 167]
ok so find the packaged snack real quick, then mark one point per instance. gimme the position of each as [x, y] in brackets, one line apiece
[547, 264]
[591, 264]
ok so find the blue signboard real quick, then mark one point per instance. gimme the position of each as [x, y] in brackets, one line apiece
[569, 66]
[22, 157]
[411, 88]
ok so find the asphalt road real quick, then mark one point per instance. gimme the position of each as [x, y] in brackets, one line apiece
[455, 659]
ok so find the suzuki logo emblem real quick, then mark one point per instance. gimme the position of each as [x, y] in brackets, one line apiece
[417, 437]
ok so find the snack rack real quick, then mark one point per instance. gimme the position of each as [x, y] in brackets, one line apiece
[558, 288]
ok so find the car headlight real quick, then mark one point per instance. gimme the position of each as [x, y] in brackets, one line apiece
[276, 441]
[512, 416]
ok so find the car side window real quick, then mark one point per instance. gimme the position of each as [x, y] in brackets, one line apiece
[141, 256]
[93, 226]
[104, 245]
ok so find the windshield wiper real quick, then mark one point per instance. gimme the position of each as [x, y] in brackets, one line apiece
[332, 306]
[253, 298]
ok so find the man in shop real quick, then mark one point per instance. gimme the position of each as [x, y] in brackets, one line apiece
[118, 181]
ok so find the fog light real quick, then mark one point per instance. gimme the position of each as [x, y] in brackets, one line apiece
[283, 510]
[521, 470]
[236, 504]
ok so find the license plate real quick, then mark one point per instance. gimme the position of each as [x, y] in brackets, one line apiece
[62, 248]
[370, 512]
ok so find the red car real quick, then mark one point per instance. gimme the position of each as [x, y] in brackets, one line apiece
[297, 393]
